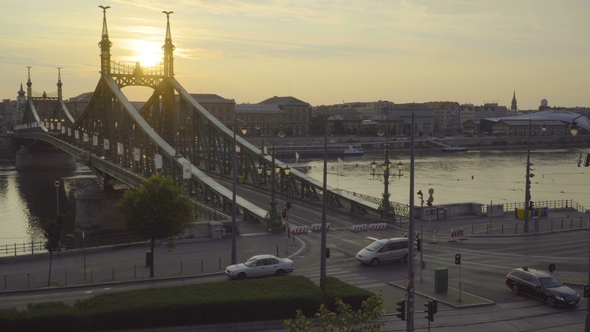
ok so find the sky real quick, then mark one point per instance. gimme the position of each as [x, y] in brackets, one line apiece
[320, 51]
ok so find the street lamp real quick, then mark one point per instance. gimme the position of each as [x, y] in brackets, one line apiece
[57, 195]
[385, 207]
[421, 231]
[233, 212]
[273, 215]
[529, 175]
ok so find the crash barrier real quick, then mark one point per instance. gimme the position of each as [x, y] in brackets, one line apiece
[456, 234]
[358, 228]
[381, 225]
[318, 227]
[299, 229]
[416, 235]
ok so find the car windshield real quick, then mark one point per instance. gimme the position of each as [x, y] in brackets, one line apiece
[550, 282]
[374, 246]
[250, 262]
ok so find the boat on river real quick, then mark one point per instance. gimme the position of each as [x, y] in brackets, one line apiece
[317, 151]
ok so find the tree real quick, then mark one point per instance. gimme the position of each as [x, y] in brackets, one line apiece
[157, 210]
[345, 319]
[52, 230]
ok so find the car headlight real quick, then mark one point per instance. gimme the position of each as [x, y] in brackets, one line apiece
[559, 298]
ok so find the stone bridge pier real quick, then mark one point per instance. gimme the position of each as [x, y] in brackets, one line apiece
[96, 211]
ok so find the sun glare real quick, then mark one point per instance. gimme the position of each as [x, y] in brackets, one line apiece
[147, 53]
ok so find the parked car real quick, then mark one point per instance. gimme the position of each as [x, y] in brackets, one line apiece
[542, 286]
[383, 250]
[260, 266]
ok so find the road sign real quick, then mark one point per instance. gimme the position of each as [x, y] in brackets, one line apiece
[434, 230]
[431, 191]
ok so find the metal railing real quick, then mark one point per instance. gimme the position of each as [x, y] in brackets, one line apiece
[554, 204]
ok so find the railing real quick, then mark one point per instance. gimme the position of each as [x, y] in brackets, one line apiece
[555, 204]
[400, 209]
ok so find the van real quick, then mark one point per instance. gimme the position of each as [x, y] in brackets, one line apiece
[392, 249]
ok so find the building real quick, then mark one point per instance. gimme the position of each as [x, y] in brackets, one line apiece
[296, 115]
[446, 117]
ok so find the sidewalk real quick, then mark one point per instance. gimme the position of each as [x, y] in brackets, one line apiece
[190, 257]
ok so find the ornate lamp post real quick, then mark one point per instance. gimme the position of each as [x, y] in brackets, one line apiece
[573, 128]
[529, 175]
[274, 222]
[385, 207]
[235, 176]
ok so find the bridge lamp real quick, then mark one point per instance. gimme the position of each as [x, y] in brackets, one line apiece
[244, 131]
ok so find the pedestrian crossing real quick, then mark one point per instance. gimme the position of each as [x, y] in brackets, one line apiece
[344, 275]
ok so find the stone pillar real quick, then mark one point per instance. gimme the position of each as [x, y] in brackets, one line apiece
[96, 211]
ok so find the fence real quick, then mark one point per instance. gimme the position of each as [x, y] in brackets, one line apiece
[69, 242]
[555, 204]
[84, 272]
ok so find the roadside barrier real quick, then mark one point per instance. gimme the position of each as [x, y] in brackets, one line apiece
[416, 235]
[318, 227]
[358, 228]
[299, 229]
[456, 234]
[381, 225]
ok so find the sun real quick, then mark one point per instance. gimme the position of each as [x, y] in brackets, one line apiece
[147, 53]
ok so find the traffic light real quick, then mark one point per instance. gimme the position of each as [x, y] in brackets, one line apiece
[458, 259]
[431, 309]
[419, 241]
[401, 309]
[288, 205]
[586, 291]
[284, 213]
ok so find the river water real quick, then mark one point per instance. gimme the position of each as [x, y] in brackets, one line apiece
[475, 176]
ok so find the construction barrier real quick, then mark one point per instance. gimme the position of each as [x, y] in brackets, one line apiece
[416, 235]
[299, 229]
[456, 234]
[318, 227]
[358, 228]
[381, 225]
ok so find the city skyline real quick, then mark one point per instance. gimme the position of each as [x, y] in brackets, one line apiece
[318, 51]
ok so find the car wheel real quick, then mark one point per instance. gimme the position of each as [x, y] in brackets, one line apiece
[550, 302]
[280, 273]
[241, 276]
[406, 258]
[374, 262]
[515, 290]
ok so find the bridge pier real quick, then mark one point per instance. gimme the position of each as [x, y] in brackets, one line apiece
[96, 211]
[43, 158]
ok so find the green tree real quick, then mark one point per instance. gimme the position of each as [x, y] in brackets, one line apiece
[344, 319]
[52, 230]
[157, 210]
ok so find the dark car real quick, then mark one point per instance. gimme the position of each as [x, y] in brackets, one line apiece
[542, 286]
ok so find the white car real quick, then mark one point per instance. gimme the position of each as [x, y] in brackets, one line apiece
[260, 266]
[392, 249]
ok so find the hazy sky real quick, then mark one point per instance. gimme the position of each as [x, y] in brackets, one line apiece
[320, 51]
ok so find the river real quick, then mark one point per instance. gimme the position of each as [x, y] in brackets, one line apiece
[475, 176]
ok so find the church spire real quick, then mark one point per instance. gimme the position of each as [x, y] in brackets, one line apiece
[29, 83]
[105, 44]
[168, 48]
[514, 107]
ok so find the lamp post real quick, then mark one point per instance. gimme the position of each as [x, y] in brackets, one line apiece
[421, 232]
[387, 211]
[410, 286]
[57, 195]
[323, 244]
[273, 216]
[573, 128]
[527, 195]
[235, 176]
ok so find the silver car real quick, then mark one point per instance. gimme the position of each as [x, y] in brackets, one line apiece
[383, 250]
[260, 266]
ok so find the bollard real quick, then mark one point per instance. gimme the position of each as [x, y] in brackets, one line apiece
[66, 277]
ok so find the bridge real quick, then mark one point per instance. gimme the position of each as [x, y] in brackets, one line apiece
[172, 134]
